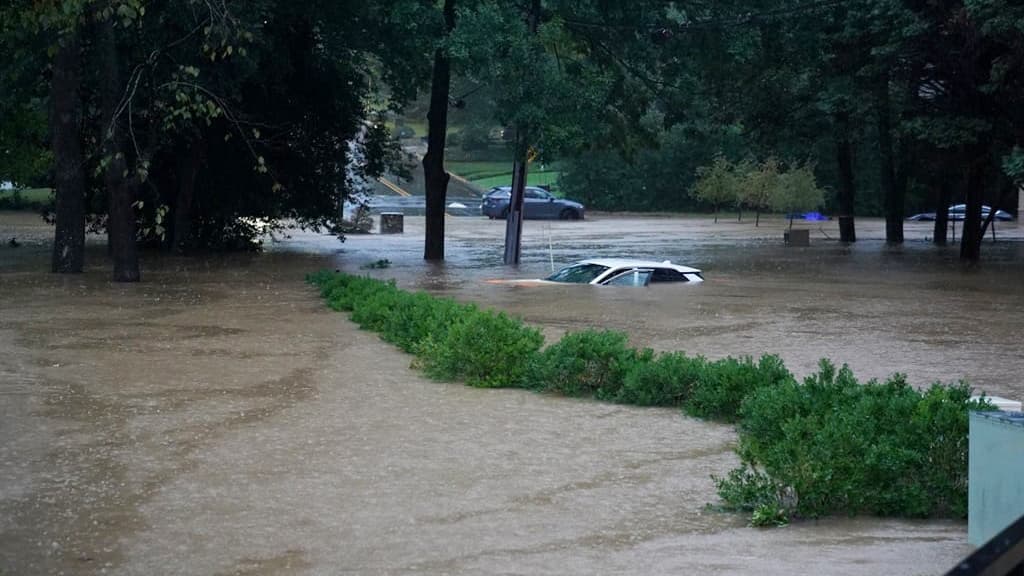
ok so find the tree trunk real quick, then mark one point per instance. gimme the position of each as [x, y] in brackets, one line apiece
[65, 128]
[970, 236]
[891, 191]
[844, 159]
[945, 194]
[121, 189]
[434, 174]
[188, 169]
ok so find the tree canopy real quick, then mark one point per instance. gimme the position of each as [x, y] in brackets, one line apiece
[176, 122]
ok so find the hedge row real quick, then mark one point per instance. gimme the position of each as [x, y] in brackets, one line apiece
[826, 445]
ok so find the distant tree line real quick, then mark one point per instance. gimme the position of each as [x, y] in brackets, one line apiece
[179, 124]
[894, 102]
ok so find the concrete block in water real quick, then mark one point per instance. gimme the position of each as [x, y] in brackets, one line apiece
[797, 237]
[392, 222]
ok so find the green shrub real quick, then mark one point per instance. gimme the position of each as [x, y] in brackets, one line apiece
[585, 363]
[415, 318]
[664, 380]
[723, 385]
[483, 348]
[373, 305]
[840, 446]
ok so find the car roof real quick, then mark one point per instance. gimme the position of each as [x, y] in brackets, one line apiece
[636, 263]
[509, 189]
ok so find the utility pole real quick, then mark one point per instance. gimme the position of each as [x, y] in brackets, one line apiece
[514, 221]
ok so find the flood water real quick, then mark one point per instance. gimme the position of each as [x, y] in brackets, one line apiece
[217, 419]
[913, 309]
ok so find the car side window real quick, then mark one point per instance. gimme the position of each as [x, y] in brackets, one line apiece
[635, 277]
[668, 275]
[535, 194]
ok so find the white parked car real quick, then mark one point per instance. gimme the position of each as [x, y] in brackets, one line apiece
[617, 272]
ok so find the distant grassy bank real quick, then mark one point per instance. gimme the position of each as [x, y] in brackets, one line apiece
[25, 198]
[492, 173]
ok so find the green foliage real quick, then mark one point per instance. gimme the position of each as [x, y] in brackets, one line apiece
[759, 185]
[483, 348]
[416, 319]
[453, 341]
[717, 184]
[840, 446]
[745, 489]
[665, 380]
[1013, 165]
[797, 191]
[721, 388]
[585, 363]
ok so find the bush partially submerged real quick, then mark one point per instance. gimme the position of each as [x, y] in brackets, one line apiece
[833, 445]
[827, 445]
[587, 363]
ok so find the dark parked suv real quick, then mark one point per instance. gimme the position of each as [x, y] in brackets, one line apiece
[537, 203]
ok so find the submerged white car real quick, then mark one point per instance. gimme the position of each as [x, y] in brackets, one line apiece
[616, 272]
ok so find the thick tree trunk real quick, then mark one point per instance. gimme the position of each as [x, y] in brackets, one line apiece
[892, 192]
[970, 237]
[945, 194]
[121, 189]
[434, 174]
[65, 128]
[188, 169]
[844, 160]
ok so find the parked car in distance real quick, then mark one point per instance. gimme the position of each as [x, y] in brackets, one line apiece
[957, 212]
[616, 272]
[537, 203]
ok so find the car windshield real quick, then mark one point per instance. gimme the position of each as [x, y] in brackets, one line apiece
[578, 273]
[499, 193]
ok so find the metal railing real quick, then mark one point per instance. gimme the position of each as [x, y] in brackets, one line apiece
[1003, 555]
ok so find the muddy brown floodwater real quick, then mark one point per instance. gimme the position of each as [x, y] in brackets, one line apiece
[217, 419]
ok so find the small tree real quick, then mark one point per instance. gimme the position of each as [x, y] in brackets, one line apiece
[759, 185]
[797, 191]
[716, 184]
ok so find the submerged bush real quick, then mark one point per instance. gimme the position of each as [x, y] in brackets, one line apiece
[841, 446]
[664, 380]
[721, 387]
[585, 363]
[484, 349]
[827, 445]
